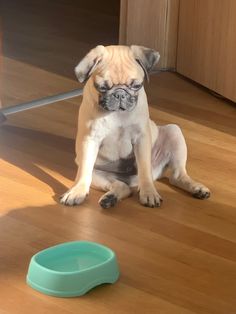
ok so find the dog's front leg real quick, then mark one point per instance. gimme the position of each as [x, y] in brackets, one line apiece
[148, 195]
[87, 150]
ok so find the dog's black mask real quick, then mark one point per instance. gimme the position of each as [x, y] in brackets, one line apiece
[118, 98]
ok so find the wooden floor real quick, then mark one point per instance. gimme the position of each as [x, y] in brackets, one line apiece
[177, 259]
[180, 258]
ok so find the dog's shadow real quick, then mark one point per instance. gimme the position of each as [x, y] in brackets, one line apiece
[32, 150]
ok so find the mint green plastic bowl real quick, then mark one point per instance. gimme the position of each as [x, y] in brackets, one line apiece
[72, 269]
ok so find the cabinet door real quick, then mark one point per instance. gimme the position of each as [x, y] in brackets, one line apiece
[151, 23]
[206, 50]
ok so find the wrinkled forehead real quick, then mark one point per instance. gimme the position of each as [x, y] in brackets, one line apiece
[119, 66]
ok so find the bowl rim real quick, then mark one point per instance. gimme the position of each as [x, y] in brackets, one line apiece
[64, 273]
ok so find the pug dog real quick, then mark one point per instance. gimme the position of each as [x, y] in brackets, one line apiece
[118, 146]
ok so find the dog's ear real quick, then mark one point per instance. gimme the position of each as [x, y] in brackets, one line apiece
[147, 58]
[89, 63]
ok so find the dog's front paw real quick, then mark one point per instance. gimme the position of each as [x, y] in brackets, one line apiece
[74, 196]
[201, 192]
[149, 197]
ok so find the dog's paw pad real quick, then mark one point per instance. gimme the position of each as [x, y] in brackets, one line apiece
[108, 200]
[202, 193]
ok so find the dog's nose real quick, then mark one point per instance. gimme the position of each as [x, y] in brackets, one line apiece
[120, 94]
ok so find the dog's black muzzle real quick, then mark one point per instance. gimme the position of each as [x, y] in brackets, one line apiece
[118, 99]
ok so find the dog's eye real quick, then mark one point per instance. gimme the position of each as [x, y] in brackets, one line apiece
[101, 88]
[136, 86]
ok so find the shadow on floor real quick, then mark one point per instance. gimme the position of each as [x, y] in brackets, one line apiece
[28, 149]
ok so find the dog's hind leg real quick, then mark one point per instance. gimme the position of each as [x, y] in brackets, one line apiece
[181, 179]
[116, 189]
[177, 165]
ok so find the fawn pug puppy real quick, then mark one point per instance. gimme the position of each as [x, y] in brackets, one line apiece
[117, 145]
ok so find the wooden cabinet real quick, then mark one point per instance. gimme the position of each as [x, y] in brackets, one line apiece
[206, 50]
[151, 23]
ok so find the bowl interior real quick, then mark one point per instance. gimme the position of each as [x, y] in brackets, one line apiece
[73, 257]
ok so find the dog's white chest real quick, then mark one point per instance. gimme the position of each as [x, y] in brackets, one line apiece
[117, 145]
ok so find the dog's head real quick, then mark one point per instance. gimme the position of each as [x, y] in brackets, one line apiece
[117, 74]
